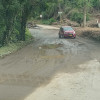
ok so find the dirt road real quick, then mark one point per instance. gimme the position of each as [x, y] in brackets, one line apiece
[52, 69]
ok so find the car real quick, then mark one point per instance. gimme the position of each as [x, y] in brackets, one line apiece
[66, 31]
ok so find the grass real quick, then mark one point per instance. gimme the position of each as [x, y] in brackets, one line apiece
[12, 47]
[46, 21]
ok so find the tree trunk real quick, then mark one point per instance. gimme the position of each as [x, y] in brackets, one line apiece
[6, 33]
[24, 17]
[85, 12]
[60, 13]
[4, 38]
[7, 25]
[23, 26]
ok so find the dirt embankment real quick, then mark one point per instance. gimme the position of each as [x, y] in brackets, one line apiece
[92, 33]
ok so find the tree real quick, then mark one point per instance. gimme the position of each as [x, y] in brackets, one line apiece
[10, 8]
[96, 4]
[14, 14]
[27, 7]
[84, 6]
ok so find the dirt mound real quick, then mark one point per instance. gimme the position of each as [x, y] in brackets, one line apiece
[71, 23]
[93, 33]
[92, 23]
[66, 22]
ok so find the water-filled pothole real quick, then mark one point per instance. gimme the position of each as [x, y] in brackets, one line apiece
[51, 46]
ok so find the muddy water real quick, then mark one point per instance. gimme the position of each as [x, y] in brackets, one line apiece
[50, 63]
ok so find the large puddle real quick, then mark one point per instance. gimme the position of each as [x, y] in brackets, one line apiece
[51, 46]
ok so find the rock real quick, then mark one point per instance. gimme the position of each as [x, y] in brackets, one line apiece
[40, 47]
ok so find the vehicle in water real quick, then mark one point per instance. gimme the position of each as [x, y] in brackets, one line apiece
[67, 31]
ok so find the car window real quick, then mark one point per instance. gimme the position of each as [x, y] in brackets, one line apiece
[68, 29]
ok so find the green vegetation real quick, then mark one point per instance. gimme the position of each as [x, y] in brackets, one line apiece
[48, 21]
[77, 16]
[14, 15]
[75, 10]
[13, 46]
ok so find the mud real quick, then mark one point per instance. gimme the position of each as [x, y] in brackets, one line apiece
[52, 69]
[51, 46]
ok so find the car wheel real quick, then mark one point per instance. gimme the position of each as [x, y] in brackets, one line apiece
[62, 36]
[74, 37]
[59, 36]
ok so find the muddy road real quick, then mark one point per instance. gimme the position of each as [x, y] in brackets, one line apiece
[52, 69]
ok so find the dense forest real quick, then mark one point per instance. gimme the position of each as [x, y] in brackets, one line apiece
[14, 14]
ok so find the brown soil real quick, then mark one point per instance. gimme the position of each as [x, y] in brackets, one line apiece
[93, 33]
[69, 71]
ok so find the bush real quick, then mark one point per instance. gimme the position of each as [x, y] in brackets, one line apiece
[67, 9]
[14, 36]
[52, 20]
[2, 28]
[28, 35]
[77, 16]
[49, 21]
